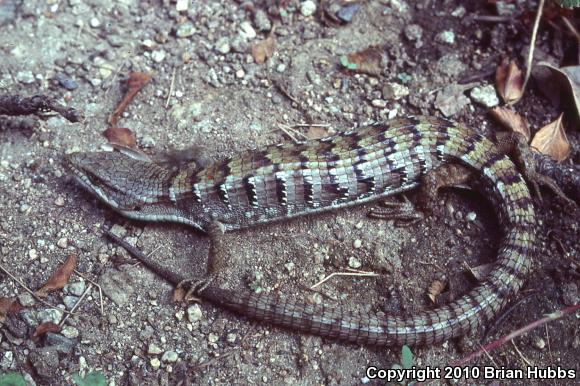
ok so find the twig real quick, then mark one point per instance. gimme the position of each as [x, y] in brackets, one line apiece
[355, 273]
[87, 290]
[96, 285]
[311, 125]
[492, 18]
[286, 130]
[571, 28]
[171, 87]
[533, 44]
[32, 292]
[526, 361]
[514, 334]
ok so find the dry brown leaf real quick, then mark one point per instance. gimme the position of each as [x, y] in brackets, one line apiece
[5, 307]
[435, 289]
[121, 136]
[509, 81]
[43, 328]
[59, 278]
[263, 50]
[511, 120]
[369, 61]
[551, 140]
[135, 82]
[564, 78]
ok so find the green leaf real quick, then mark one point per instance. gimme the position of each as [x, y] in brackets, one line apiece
[12, 379]
[406, 357]
[569, 3]
[95, 378]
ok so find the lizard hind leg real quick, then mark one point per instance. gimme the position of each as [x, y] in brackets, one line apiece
[405, 213]
[217, 262]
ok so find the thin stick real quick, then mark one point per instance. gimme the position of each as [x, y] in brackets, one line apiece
[526, 361]
[571, 28]
[87, 290]
[171, 87]
[311, 125]
[356, 273]
[32, 292]
[533, 44]
[98, 287]
[514, 334]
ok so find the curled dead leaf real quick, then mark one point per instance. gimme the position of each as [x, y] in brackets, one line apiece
[43, 328]
[564, 80]
[435, 289]
[551, 140]
[509, 81]
[59, 278]
[121, 136]
[511, 120]
[263, 50]
[370, 61]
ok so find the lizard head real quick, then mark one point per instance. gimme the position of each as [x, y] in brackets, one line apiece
[132, 185]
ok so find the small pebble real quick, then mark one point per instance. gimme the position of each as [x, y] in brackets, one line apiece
[213, 338]
[26, 77]
[153, 349]
[194, 313]
[231, 338]
[181, 5]
[59, 201]
[94, 22]
[261, 21]
[33, 254]
[247, 31]
[447, 37]
[158, 55]
[539, 343]
[185, 30]
[353, 262]
[66, 82]
[169, 357]
[155, 363]
[471, 216]
[307, 8]
[240, 73]
[62, 242]
[357, 243]
[346, 13]
[485, 95]
[223, 45]
[70, 332]
[77, 288]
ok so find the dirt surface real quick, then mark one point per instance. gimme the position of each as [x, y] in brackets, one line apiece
[224, 102]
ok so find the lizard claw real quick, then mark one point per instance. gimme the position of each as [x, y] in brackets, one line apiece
[404, 213]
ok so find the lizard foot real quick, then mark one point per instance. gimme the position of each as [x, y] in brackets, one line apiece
[404, 213]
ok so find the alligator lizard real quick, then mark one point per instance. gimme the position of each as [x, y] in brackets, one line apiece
[283, 181]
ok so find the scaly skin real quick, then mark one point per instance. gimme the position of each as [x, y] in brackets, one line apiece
[284, 181]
